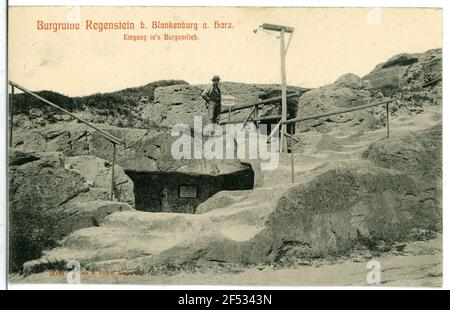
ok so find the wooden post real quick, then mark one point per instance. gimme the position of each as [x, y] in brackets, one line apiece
[273, 131]
[292, 158]
[112, 172]
[387, 118]
[248, 118]
[283, 92]
[256, 116]
[229, 114]
[11, 116]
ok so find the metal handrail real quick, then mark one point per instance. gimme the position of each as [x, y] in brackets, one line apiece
[260, 102]
[301, 119]
[114, 140]
[439, 78]
[105, 134]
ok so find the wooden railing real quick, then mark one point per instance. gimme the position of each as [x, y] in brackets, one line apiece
[114, 140]
[259, 102]
[253, 114]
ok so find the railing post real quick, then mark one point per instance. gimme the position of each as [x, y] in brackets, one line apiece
[248, 117]
[112, 171]
[283, 92]
[292, 156]
[273, 131]
[11, 116]
[387, 118]
[256, 115]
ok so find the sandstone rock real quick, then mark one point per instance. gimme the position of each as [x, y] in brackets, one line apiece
[75, 139]
[312, 215]
[349, 80]
[343, 205]
[176, 104]
[406, 71]
[222, 199]
[335, 97]
[180, 103]
[380, 200]
[36, 113]
[404, 151]
[48, 201]
[148, 160]
[78, 215]
[403, 78]
[97, 172]
[33, 204]
[401, 60]
[376, 202]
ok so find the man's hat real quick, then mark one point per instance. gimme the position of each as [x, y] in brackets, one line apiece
[215, 78]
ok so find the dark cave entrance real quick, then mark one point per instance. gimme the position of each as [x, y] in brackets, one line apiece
[180, 192]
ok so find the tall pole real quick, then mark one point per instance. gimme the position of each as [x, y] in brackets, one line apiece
[292, 156]
[387, 118]
[283, 92]
[112, 172]
[283, 49]
[11, 116]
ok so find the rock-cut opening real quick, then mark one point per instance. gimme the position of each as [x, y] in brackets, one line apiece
[182, 193]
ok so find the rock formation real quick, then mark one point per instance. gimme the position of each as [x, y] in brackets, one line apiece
[48, 201]
[413, 80]
[353, 186]
[333, 208]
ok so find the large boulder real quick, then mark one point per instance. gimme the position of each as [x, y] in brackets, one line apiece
[38, 184]
[73, 139]
[347, 92]
[412, 78]
[176, 104]
[47, 201]
[179, 104]
[98, 173]
[349, 80]
[421, 150]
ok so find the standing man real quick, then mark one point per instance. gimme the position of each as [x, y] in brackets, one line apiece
[213, 98]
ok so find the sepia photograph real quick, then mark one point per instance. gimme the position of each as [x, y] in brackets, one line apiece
[233, 146]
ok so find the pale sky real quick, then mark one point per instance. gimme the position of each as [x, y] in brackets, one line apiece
[327, 43]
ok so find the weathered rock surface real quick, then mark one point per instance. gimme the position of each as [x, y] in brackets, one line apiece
[44, 198]
[148, 175]
[341, 199]
[121, 108]
[34, 180]
[333, 208]
[179, 103]
[97, 173]
[144, 151]
[78, 214]
[347, 92]
[406, 70]
[73, 139]
[420, 150]
[413, 80]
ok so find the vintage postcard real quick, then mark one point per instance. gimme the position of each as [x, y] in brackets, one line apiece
[225, 146]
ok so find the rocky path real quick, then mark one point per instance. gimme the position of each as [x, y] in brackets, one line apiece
[420, 268]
